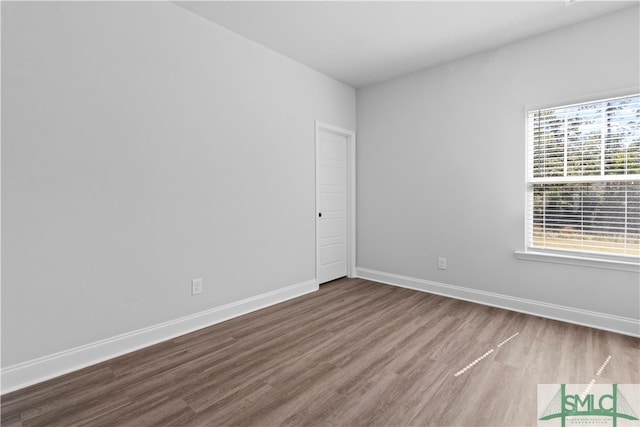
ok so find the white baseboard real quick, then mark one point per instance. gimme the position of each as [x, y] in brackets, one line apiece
[43, 368]
[607, 322]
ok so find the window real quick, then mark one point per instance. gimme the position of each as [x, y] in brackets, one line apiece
[583, 179]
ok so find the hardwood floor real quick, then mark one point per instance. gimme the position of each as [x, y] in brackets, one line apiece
[354, 353]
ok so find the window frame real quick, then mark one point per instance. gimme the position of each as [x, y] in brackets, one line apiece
[562, 256]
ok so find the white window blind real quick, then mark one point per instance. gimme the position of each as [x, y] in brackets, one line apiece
[583, 186]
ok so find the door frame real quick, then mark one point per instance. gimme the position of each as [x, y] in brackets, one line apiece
[350, 137]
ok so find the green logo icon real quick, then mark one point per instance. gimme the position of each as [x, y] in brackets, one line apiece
[581, 408]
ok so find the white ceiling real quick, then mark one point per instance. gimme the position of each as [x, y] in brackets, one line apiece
[365, 42]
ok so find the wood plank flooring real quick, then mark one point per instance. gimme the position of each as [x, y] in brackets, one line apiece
[354, 353]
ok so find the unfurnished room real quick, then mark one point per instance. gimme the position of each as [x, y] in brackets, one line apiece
[322, 213]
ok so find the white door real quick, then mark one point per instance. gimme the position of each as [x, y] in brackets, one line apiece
[331, 205]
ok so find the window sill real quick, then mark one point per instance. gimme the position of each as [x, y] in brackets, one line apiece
[578, 260]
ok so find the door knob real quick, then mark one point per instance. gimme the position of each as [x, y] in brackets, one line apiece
[319, 214]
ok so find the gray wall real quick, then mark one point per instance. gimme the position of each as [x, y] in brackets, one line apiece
[441, 158]
[142, 147]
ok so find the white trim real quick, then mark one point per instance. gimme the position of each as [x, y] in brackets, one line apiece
[43, 368]
[351, 192]
[580, 179]
[607, 322]
[583, 99]
[582, 261]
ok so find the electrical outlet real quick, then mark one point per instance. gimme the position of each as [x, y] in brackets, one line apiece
[442, 263]
[196, 286]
